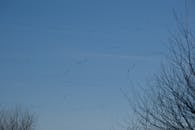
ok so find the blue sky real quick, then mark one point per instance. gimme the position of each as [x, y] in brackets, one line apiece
[66, 60]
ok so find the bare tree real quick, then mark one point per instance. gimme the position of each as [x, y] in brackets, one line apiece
[171, 102]
[16, 120]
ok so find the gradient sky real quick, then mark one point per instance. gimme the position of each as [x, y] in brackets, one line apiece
[66, 60]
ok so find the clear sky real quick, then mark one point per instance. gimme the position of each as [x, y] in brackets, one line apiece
[66, 60]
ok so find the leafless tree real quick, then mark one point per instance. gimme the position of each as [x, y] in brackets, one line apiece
[16, 119]
[170, 104]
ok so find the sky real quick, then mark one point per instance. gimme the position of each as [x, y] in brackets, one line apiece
[68, 60]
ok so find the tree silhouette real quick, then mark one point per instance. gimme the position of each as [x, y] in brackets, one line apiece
[170, 104]
[16, 120]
